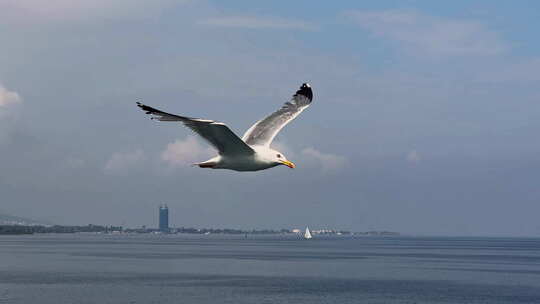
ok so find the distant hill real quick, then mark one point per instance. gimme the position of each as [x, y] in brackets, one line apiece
[15, 220]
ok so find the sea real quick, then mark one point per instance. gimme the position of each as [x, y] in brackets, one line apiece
[146, 268]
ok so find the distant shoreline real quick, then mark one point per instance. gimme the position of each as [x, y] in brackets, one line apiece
[58, 229]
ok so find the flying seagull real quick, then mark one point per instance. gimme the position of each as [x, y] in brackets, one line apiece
[252, 152]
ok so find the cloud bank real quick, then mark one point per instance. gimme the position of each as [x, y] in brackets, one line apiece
[8, 97]
[252, 22]
[326, 161]
[37, 11]
[119, 162]
[430, 35]
[185, 152]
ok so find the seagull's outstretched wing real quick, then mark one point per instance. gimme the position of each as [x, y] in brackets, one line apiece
[216, 133]
[263, 132]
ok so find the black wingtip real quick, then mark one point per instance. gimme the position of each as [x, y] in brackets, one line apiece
[305, 90]
[147, 109]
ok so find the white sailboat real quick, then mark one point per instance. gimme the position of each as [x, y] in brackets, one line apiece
[307, 234]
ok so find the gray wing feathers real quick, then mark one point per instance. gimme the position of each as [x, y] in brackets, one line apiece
[215, 133]
[265, 130]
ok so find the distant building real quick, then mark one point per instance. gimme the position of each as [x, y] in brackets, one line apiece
[164, 218]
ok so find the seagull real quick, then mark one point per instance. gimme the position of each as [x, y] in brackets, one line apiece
[252, 152]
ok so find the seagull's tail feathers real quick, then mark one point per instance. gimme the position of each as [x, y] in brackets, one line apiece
[207, 164]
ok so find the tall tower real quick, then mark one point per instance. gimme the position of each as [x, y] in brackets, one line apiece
[164, 218]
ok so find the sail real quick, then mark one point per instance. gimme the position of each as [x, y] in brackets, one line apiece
[307, 235]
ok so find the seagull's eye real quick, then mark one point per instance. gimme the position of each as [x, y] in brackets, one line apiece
[279, 156]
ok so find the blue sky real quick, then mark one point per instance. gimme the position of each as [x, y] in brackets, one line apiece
[424, 120]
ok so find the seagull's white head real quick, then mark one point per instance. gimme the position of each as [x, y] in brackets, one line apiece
[273, 157]
[280, 159]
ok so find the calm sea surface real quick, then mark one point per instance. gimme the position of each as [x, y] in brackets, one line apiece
[267, 269]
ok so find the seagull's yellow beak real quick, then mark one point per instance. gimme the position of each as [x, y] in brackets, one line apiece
[288, 164]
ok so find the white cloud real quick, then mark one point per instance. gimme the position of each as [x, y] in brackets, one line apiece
[119, 162]
[252, 22]
[311, 157]
[37, 11]
[431, 35]
[8, 97]
[413, 157]
[327, 161]
[8, 112]
[186, 152]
